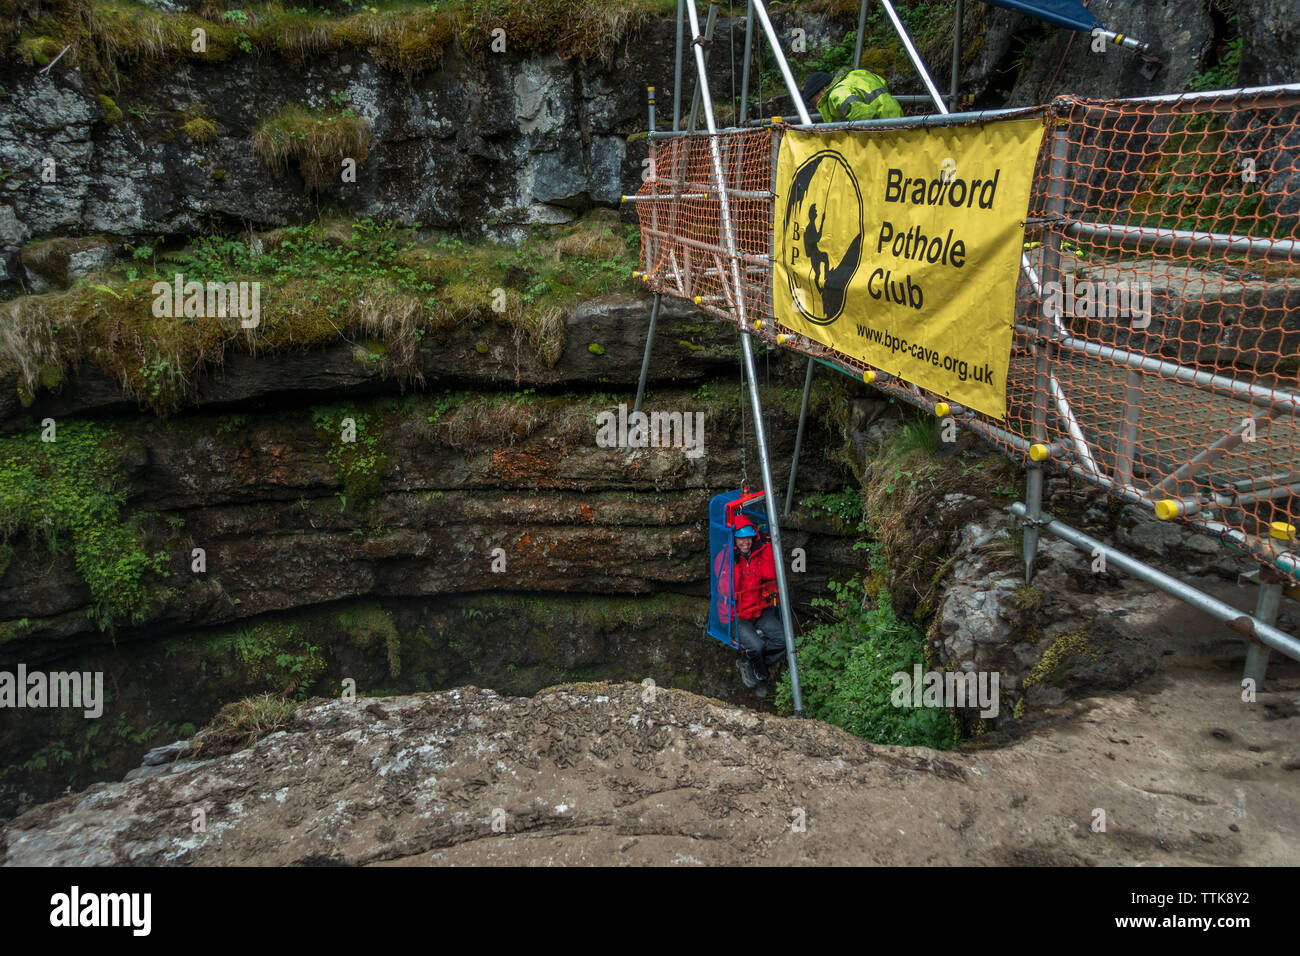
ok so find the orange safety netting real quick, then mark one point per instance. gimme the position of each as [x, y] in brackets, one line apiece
[1165, 372]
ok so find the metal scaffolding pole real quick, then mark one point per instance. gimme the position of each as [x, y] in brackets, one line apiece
[744, 70]
[700, 89]
[677, 68]
[1042, 371]
[774, 524]
[956, 52]
[654, 308]
[915, 57]
[798, 438]
[1266, 606]
[786, 75]
[1265, 632]
[645, 358]
[862, 27]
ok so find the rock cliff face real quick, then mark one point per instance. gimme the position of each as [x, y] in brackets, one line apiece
[487, 144]
[472, 532]
[462, 146]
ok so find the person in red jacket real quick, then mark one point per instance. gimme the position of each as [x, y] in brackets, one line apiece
[753, 582]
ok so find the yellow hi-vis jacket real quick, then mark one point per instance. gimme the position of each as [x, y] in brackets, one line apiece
[860, 95]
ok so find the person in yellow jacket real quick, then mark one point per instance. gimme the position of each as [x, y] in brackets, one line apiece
[858, 95]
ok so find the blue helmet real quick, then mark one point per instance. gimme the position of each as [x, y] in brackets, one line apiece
[746, 532]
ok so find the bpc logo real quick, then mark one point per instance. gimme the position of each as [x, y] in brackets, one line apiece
[821, 239]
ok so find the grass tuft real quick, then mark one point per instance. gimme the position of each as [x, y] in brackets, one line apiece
[316, 141]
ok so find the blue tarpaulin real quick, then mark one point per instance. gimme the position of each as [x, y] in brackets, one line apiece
[721, 600]
[1070, 14]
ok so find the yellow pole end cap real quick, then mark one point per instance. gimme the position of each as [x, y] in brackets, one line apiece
[1039, 452]
[868, 376]
[1282, 531]
[635, 274]
[758, 323]
[1167, 508]
[698, 300]
[781, 338]
[942, 409]
[622, 198]
[775, 120]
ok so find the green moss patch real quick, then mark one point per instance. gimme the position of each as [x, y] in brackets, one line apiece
[199, 130]
[112, 113]
[66, 496]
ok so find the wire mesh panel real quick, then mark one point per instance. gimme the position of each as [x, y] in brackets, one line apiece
[686, 250]
[1168, 309]
[1157, 320]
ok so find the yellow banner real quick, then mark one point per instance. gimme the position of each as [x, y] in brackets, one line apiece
[901, 248]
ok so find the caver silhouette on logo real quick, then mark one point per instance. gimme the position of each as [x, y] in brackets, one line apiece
[821, 236]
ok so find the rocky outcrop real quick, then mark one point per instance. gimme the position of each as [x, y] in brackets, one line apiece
[485, 148]
[1077, 628]
[288, 518]
[634, 773]
[604, 343]
[1202, 318]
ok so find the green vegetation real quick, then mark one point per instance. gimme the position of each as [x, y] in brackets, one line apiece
[250, 719]
[87, 748]
[1224, 74]
[66, 496]
[369, 624]
[846, 661]
[279, 657]
[360, 462]
[321, 283]
[200, 130]
[845, 507]
[108, 36]
[112, 114]
[1194, 180]
[921, 433]
[317, 141]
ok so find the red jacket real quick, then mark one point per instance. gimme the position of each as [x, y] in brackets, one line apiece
[753, 579]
